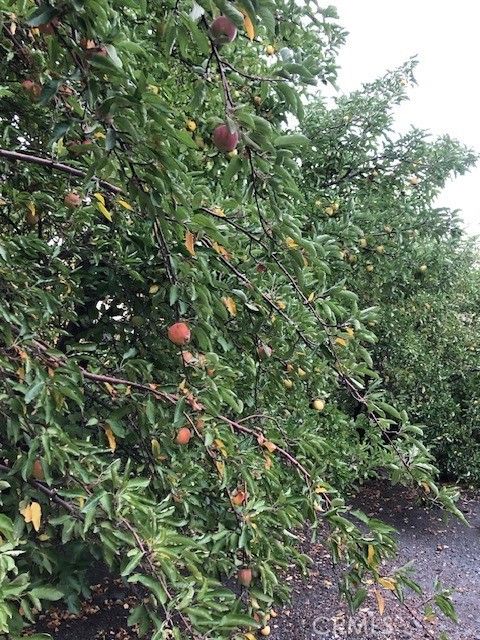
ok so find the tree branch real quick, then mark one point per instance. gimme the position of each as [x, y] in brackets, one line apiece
[18, 156]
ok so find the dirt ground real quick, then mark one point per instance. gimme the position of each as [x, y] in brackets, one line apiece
[439, 547]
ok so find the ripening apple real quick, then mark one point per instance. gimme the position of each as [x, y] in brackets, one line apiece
[31, 218]
[183, 436]
[32, 88]
[288, 384]
[265, 631]
[179, 333]
[245, 577]
[238, 498]
[369, 267]
[423, 268]
[270, 50]
[72, 200]
[318, 404]
[362, 243]
[224, 139]
[37, 470]
[414, 181]
[223, 30]
[191, 125]
[380, 248]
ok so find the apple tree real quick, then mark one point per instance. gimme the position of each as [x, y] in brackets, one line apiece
[179, 357]
[375, 192]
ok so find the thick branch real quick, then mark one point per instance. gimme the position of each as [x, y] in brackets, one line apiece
[18, 156]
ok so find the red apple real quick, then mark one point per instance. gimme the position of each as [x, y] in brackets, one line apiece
[224, 139]
[179, 333]
[223, 30]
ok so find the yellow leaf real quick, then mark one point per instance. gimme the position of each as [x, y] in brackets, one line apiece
[231, 305]
[36, 513]
[350, 331]
[110, 389]
[125, 204]
[81, 501]
[220, 445]
[311, 297]
[321, 489]
[291, 244]
[153, 289]
[220, 213]
[103, 210]
[249, 28]
[21, 374]
[387, 583]
[220, 468]
[371, 555]
[341, 341]
[190, 242]
[112, 442]
[249, 636]
[271, 446]
[99, 135]
[380, 602]
[31, 208]
[268, 462]
[281, 305]
[99, 197]
[220, 250]
[27, 513]
[426, 487]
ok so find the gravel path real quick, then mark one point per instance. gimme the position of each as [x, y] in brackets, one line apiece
[440, 548]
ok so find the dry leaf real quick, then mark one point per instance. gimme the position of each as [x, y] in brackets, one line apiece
[27, 513]
[36, 513]
[220, 213]
[249, 28]
[31, 208]
[112, 442]
[230, 304]
[110, 389]
[268, 462]
[387, 583]
[380, 602]
[220, 445]
[291, 244]
[341, 341]
[271, 446]
[321, 489]
[190, 242]
[220, 468]
[220, 250]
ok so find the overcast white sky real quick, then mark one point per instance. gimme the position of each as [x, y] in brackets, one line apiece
[445, 36]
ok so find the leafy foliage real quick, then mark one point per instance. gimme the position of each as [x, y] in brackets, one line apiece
[120, 218]
[405, 256]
